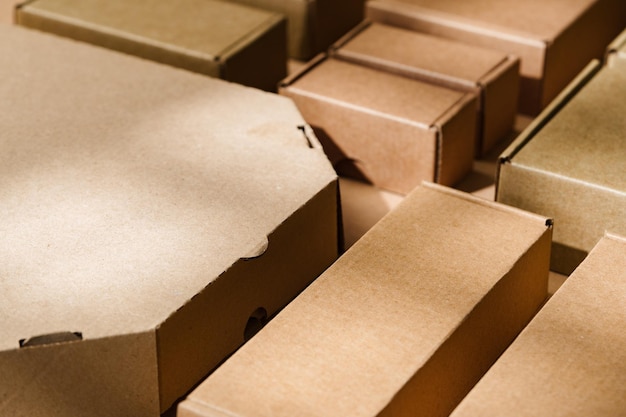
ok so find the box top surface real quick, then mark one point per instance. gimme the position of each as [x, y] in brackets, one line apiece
[570, 360]
[202, 27]
[355, 336]
[464, 64]
[535, 19]
[585, 140]
[378, 92]
[127, 186]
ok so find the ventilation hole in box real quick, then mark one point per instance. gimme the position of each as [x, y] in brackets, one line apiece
[257, 320]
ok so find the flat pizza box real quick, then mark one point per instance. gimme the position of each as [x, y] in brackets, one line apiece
[230, 41]
[569, 164]
[554, 39]
[493, 76]
[571, 359]
[385, 129]
[312, 25]
[152, 218]
[404, 323]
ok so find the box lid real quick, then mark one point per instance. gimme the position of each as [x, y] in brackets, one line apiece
[212, 30]
[460, 64]
[126, 186]
[353, 339]
[374, 91]
[585, 140]
[571, 358]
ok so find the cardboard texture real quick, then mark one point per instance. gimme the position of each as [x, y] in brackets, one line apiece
[571, 359]
[404, 323]
[312, 25]
[554, 39]
[492, 76]
[151, 218]
[386, 129]
[569, 165]
[229, 41]
[616, 51]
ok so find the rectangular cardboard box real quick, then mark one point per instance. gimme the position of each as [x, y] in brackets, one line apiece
[554, 39]
[312, 25]
[229, 41]
[386, 129]
[569, 165]
[151, 217]
[571, 359]
[492, 76]
[404, 323]
[616, 51]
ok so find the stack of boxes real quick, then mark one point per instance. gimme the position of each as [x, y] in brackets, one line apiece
[156, 219]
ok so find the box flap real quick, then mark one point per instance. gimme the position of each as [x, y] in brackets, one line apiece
[354, 338]
[460, 65]
[121, 203]
[570, 360]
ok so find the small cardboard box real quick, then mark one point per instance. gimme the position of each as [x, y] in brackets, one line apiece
[554, 39]
[404, 323]
[387, 129]
[571, 359]
[569, 165]
[491, 75]
[312, 25]
[151, 217]
[616, 51]
[229, 41]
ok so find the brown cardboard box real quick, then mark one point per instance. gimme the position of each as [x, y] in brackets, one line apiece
[491, 75]
[569, 165]
[616, 51]
[404, 323]
[313, 24]
[151, 217]
[571, 359]
[7, 8]
[230, 41]
[554, 39]
[390, 130]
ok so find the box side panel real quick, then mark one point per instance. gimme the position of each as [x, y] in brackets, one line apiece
[584, 40]
[101, 378]
[100, 36]
[530, 51]
[213, 324]
[582, 212]
[389, 153]
[500, 95]
[453, 369]
[457, 142]
[262, 62]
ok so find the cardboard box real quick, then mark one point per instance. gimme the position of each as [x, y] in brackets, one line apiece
[312, 25]
[229, 41]
[569, 165]
[404, 323]
[389, 130]
[7, 8]
[571, 359]
[492, 76]
[616, 51]
[151, 218]
[554, 39]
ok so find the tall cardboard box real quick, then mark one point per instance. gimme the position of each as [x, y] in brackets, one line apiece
[151, 219]
[229, 41]
[312, 25]
[569, 164]
[492, 76]
[554, 39]
[386, 129]
[571, 359]
[404, 323]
